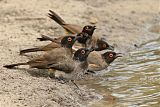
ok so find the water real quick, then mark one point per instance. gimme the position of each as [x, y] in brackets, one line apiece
[134, 81]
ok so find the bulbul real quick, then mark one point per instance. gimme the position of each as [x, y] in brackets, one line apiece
[51, 57]
[75, 66]
[100, 45]
[72, 28]
[83, 38]
[97, 61]
[85, 34]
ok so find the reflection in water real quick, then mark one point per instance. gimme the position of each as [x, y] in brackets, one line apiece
[134, 80]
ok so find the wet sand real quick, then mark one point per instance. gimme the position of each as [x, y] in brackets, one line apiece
[124, 23]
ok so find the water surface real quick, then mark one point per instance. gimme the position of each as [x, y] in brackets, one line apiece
[133, 81]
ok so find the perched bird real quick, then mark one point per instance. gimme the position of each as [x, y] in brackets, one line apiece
[75, 66]
[101, 44]
[53, 56]
[97, 61]
[83, 38]
[85, 35]
[72, 28]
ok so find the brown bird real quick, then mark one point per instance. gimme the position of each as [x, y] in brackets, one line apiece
[85, 34]
[99, 61]
[53, 56]
[72, 28]
[75, 66]
[101, 44]
[83, 38]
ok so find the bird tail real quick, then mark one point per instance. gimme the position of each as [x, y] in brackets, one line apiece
[13, 65]
[56, 17]
[29, 50]
[45, 38]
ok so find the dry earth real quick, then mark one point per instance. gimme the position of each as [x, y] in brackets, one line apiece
[123, 23]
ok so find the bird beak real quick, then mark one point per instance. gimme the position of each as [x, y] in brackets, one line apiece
[94, 27]
[118, 55]
[91, 49]
[111, 48]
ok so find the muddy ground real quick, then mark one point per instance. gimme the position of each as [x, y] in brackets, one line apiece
[124, 24]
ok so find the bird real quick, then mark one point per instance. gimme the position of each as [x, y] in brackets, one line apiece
[82, 37]
[74, 66]
[98, 62]
[72, 28]
[85, 34]
[100, 45]
[55, 55]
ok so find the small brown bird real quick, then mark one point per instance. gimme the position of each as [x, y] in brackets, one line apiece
[75, 66]
[72, 28]
[51, 57]
[101, 44]
[99, 61]
[83, 38]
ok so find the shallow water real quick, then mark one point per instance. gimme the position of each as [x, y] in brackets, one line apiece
[133, 81]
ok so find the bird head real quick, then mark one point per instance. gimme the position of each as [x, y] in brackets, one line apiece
[111, 56]
[68, 41]
[89, 29]
[103, 45]
[82, 54]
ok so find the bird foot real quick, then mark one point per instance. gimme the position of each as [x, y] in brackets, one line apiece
[61, 80]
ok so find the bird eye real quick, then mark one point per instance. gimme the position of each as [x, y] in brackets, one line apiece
[83, 52]
[69, 39]
[104, 45]
[87, 28]
[110, 55]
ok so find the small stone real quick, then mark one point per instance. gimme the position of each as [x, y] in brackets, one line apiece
[93, 20]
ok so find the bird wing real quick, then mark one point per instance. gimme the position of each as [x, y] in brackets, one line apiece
[51, 57]
[67, 68]
[96, 62]
[50, 46]
[71, 28]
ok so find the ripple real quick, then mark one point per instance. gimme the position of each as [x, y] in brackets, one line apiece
[135, 80]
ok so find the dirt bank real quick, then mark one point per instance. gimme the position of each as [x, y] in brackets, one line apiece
[122, 22]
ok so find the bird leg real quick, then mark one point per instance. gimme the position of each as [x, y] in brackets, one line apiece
[75, 84]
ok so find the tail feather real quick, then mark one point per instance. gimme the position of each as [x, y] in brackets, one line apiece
[29, 50]
[56, 17]
[45, 38]
[13, 65]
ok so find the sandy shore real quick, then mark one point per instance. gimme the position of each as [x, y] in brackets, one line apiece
[124, 23]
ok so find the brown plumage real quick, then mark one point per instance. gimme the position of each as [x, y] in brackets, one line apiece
[83, 38]
[72, 28]
[53, 56]
[52, 45]
[59, 59]
[99, 61]
[48, 47]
